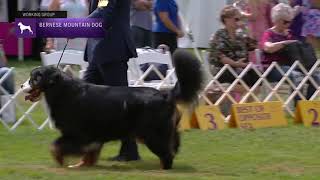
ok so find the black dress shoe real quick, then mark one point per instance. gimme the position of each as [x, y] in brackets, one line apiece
[124, 158]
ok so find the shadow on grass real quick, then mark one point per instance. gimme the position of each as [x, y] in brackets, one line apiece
[145, 166]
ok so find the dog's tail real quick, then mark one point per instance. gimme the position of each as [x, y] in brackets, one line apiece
[189, 73]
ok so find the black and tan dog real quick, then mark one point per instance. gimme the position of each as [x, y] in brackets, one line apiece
[89, 115]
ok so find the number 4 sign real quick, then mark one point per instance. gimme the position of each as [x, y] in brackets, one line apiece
[307, 112]
[209, 118]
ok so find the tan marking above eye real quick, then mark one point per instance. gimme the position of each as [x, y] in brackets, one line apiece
[39, 78]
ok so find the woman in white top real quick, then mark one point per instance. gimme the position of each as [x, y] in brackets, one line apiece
[75, 9]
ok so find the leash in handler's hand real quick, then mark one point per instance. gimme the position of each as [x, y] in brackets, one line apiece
[62, 53]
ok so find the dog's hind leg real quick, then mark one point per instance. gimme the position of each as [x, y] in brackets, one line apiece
[162, 150]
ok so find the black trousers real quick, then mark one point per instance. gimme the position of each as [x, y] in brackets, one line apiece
[141, 37]
[169, 39]
[250, 78]
[113, 74]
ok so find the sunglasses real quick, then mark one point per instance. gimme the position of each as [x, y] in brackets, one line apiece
[286, 22]
[237, 19]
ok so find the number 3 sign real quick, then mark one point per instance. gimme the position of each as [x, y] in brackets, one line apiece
[209, 118]
[307, 112]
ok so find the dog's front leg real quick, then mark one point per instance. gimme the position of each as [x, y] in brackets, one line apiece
[91, 155]
[57, 154]
[64, 146]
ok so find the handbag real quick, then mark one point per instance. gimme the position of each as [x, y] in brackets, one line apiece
[301, 51]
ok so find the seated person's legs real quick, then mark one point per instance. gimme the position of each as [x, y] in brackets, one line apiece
[311, 88]
[275, 75]
[8, 83]
[295, 77]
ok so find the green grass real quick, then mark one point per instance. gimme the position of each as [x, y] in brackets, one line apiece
[272, 153]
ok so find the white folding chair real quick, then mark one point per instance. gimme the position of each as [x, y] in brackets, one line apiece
[70, 57]
[136, 77]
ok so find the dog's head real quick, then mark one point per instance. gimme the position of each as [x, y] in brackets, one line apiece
[41, 79]
[19, 24]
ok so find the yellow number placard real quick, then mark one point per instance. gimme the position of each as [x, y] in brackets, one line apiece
[204, 117]
[307, 112]
[257, 115]
[185, 120]
[209, 118]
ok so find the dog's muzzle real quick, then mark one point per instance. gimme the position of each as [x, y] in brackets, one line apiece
[33, 94]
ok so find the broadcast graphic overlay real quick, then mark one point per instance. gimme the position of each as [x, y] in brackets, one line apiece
[32, 24]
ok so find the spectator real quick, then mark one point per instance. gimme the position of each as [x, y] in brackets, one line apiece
[8, 114]
[30, 5]
[275, 39]
[298, 21]
[75, 9]
[167, 27]
[3, 11]
[258, 14]
[141, 22]
[228, 47]
[311, 27]
[44, 5]
[8, 84]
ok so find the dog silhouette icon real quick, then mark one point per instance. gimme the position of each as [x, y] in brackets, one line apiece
[24, 27]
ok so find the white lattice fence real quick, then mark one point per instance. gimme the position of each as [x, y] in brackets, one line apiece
[261, 91]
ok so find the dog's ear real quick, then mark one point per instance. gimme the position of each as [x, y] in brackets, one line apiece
[37, 75]
[55, 77]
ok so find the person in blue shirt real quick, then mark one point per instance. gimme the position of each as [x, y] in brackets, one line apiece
[167, 27]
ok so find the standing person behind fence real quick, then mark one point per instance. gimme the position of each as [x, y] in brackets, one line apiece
[75, 9]
[257, 13]
[108, 56]
[298, 21]
[141, 22]
[228, 47]
[167, 27]
[311, 27]
[274, 41]
[8, 84]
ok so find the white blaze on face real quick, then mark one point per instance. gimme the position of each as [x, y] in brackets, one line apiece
[26, 88]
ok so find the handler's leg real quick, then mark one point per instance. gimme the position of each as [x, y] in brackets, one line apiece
[115, 74]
